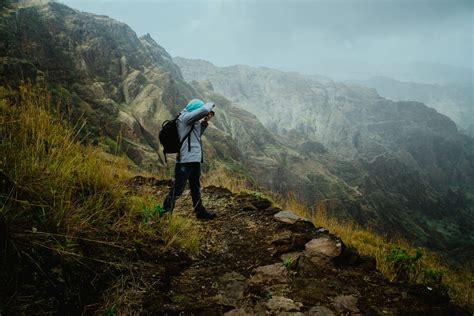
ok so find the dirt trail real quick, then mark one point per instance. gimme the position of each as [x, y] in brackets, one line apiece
[253, 263]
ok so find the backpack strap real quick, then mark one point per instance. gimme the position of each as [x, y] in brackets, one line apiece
[188, 136]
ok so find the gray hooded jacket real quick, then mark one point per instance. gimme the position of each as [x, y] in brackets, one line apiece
[192, 152]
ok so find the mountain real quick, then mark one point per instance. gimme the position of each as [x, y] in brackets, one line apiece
[80, 235]
[421, 72]
[401, 156]
[454, 101]
[344, 153]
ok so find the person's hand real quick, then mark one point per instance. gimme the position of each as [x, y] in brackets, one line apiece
[209, 116]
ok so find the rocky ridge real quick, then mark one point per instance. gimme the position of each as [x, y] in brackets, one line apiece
[453, 100]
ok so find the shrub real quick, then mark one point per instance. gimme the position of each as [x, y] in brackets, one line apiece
[404, 266]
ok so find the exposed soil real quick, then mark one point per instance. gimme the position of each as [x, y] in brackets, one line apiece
[245, 236]
[249, 263]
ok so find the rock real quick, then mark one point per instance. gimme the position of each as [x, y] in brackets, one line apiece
[322, 230]
[270, 274]
[319, 311]
[289, 217]
[231, 288]
[239, 312]
[256, 202]
[345, 303]
[219, 192]
[293, 256]
[283, 304]
[323, 249]
[289, 242]
[349, 257]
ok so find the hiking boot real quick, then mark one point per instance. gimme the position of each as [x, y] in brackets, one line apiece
[203, 214]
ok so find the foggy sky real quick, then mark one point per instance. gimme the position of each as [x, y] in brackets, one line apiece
[302, 35]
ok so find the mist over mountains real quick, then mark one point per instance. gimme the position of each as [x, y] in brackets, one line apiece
[453, 100]
[388, 157]
[393, 141]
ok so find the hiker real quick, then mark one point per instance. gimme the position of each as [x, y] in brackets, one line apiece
[191, 124]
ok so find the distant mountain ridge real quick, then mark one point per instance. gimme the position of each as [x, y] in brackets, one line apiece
[397, 145]
[454, 101]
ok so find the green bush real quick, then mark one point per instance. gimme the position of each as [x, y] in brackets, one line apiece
[432, 275]
[405, 266]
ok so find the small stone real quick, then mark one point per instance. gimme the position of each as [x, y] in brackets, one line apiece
[323, 249]
[288, 217]
[345, 303]
[291, 256]
[270, 274]
[283, 304]
[319, 311]
[231, 288]
[239, 312]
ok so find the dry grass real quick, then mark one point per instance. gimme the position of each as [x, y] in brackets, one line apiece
[65, 187]
[460, 281]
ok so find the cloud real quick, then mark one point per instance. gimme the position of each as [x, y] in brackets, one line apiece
[294, 34]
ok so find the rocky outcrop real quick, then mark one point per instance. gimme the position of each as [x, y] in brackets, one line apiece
[239, 273]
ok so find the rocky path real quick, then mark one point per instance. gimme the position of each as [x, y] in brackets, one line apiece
[256, 259]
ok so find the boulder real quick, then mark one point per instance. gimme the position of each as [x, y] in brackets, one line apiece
[283, 304]
[320, 311]
[270, 274]
[345, 303]
[240, 312]
[231, 288]
[323, 249]
[289, 217]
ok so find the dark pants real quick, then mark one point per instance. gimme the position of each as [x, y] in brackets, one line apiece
[183, 172]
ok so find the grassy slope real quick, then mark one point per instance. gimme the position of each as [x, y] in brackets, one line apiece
[62, 201]
[58, 193]
[428, 269]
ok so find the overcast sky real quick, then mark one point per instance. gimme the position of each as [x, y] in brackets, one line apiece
[302, 35]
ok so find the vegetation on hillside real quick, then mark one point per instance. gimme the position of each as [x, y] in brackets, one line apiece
[397, 259]
[61, 200]
[57, 194]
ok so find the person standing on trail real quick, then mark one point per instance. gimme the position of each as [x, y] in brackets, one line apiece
[191, 124]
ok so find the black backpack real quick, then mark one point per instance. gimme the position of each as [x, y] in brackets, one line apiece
[169, 137]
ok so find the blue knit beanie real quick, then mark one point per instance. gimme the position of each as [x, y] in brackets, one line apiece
[194, 105]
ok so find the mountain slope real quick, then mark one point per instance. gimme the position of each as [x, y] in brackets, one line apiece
[454, 101]
[407, 161]
[126, 86]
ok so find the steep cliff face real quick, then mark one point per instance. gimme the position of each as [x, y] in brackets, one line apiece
[121, 83]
